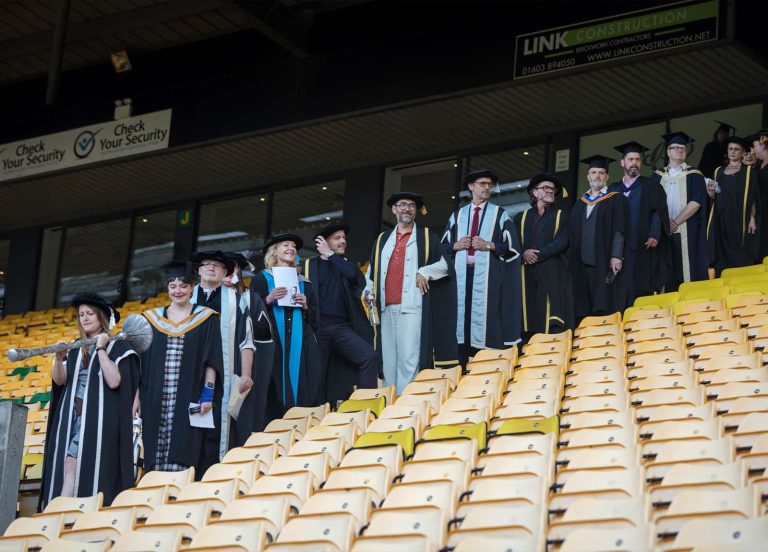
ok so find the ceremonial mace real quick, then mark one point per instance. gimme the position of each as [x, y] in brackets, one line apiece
[136, 331]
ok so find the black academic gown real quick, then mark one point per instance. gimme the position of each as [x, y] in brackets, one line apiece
[762, 183]
[341, 376]
[105, 460]
[499, 326]
[695, 232]
[546, 285]
[438, 348]
[650, 268]
[730, 245]
[310, 391]
[202, 348]
[612, 214]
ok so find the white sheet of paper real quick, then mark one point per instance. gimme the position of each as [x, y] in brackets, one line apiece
[201, 420]
[236, 398]
[287, 277]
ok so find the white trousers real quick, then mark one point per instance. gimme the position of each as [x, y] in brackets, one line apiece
[400, 346]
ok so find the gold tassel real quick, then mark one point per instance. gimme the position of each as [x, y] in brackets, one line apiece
[423, 210]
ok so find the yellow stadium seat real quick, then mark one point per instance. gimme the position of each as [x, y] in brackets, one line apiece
[598, 341]
[729, 506]
[441, 386]
[692, 453]
[461, 418]
[743, 270]
[176, 480]
[395, 411]
[751, 360]
[283, 440]
[476, 432]
[707, 294]
[319, 464]
[451, 374]
[140, 500]
[216, 494]
[749, 430]
[495, 354]
[591, 331]
[720, 350]
[611, 540]
[603, 514]
[682, 477]
[504, 490]
[638, 313]
[245, 472]
[756, 460]
[428, 521]
[101, 526]
[714, 326]
[32, 531]
[506, 524]
[698, 305]
[701, 284]
[389, 425]
[491, 366]
[271, 510]
[546, 348]
[736, 410]
[601, 483]
[661, 300]
[296, 487]
[739, 301]
[517, 426]
[264, 454]
[169, 540]
[594, 420]
[657, 357]
[434, 400]
[72, 507]
[711, 535]
[390, 456]
[566, 336]
[598, 460]
[361, 418]
[524, 467]
[740, 279]
[338, 528]
[375, 477]
[404, 438]
[187, 517]
[357, 501]
[299, 425]
[386, 543]
[347, 432]
[649, 323]
[374, 405]
[335, 448]
[64, 545]
[759, 286]
[655, 345]
[442, 493]
[316, 412]
[604, 320]
[364, 394]
[230, 536]
[449, 469]
[465, 449]
[722, 336]
[678, 431]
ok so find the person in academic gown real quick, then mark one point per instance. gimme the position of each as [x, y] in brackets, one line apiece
[760, 146]
[481, 243]
[297, 379]
[236, 339]
[686, 250]
[645, 270]
[89, 440]
[184, 365]
[715, 153]
[413, 288]
[734, 218]
[599, 227]
[259, 329]
[344, 336]
[544, 234]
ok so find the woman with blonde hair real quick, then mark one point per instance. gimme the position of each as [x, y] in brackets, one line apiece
[296, 374]
[89, 445]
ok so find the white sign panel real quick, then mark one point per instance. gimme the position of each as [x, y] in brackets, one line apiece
[82, 146]
[562, 158]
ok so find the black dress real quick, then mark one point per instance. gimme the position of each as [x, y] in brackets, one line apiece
[101, 435]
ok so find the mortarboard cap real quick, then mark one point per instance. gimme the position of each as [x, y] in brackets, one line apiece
[726, 127]
[240, 260]
[333, 227]
[631, 147]
[597, 161]
[471, 176]
[216, 255]
[98, 302]
[417, 198]
[738, 140]
[180, 270]
[280, 238]
[537, 179]
[679, 137]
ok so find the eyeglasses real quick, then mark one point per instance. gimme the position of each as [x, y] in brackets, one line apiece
[678, 148]
[483, 184]
[213, 264]
[547, 189]
[406, 206]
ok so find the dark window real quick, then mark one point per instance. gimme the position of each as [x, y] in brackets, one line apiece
[153, 236]
[238, 224]
[93, 260]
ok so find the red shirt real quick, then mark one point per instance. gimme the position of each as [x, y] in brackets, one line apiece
[393, 285]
